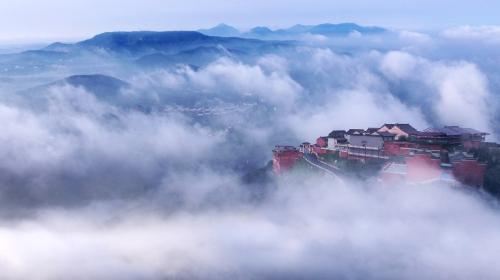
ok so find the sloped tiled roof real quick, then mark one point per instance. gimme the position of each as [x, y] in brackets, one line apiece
[407, 128]
[355, 130]
[337, 134]
[388, 125]
[455, 131]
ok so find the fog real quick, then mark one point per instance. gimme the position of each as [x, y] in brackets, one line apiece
[161, 174]
[319, 229]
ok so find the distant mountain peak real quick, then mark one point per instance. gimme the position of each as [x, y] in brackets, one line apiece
[142, 37]
[344, 29]
[221, 30]
[261, 31]
[144, 42]
[299, 28]
[326, 29]
[102, 86]
[223, 25]
[100, 79]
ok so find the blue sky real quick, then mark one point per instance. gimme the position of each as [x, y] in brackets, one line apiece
[30, 20]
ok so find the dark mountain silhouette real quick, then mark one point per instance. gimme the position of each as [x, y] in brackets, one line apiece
[142, 43]
[102, 86]
[197, 57]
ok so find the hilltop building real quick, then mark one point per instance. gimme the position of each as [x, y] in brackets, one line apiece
[284, 158]
[336, 138]
[469, 138]
[425, 168]
[435, 154]
[362, 145]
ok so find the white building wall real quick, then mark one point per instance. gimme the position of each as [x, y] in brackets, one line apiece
[369, 141]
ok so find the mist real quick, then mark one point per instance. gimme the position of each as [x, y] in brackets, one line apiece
[161, 171]
[319, 229]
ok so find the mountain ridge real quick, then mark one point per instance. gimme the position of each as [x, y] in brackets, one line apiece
[327, 29]
[139, 43]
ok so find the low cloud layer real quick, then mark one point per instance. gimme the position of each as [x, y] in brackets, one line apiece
[458, 92]
[485, 34]
[320, 229]
[165, 177]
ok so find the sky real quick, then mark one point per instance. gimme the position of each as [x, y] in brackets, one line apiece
[31, 21]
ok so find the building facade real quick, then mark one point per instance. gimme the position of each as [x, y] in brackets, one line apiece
[284, 158]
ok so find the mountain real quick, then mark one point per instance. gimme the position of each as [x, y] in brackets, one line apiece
[59, 47]
[148, 48]
[141, 43]
[344, 29]
[144, 42]
[29, 62]
[221, 30]
[196, 57]
[327, 29]
[297, 29]
[259, 32]
[263, 32]
[102, 86]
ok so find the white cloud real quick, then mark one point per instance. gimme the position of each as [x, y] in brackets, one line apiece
[79, 144]
[399, 65]
[355, 34]
[168, 203]
[488, 34]
[268, 80]
[237, 78]
[458, 92]
[464, 97]
[401, 232]
[415, 37]
[357, 108]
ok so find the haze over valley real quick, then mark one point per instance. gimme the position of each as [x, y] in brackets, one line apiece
[148, 154]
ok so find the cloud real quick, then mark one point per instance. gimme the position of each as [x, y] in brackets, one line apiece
[152, 187]
[226, 115]
[464, 96]
[487, 34]
[357, 108]
[275, 86]
[399, 65]
[81, 148]
[415, 37]
[321, 229]
[457, 92]
[266, 80]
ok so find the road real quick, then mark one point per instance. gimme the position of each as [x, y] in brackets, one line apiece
[313, 160]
